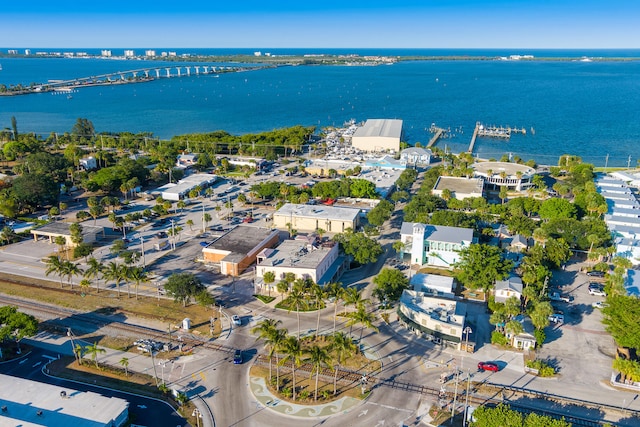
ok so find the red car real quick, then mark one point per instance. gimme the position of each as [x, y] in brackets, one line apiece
[488, 366]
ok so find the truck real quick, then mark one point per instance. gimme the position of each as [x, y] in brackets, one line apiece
[557, 296]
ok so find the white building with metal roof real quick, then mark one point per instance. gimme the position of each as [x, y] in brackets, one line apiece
[179, 191]
[437, 245]
[31, 403]
[378, 135]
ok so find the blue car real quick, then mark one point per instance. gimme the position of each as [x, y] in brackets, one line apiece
[237, 357]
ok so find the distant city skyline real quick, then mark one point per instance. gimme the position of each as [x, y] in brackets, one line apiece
[544, 24]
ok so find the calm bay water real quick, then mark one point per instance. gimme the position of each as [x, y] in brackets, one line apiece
[585, 108]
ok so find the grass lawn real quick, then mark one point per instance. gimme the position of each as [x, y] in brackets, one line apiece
[107, 302]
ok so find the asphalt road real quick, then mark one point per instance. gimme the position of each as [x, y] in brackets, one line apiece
[143, 411]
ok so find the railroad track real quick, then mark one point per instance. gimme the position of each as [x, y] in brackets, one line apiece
[59, 315]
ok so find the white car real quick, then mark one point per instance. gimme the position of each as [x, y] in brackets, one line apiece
[598, 304]
[236, 320]
[556, 318]
[595, 289]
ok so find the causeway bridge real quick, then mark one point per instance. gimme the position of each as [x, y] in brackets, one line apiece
[133, 76]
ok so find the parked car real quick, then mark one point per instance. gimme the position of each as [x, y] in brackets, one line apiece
[236, 320]
[488, 366]
[237, 357]
[556, 318]
[598, 304]
[597, 289]
[557, 296]
[595, 273]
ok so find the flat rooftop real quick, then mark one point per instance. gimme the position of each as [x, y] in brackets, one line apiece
[188, 183]
[386, 128]
[440, 309]
[62, 228]
[459, 185]
[295, 254]
[24, 398]
[241, 239]
[318, 212]
[511, 169]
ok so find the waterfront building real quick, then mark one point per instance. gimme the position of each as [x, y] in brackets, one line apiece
[439, 320]
[31, 403]
[129, 53]
[436, 245]
[378, 135]
[237, 249]
[504, 174]
[186, 160]
[150, 53]
[460, 188]
[313, 217]
[416, 156]
[305, 257]
[106, 53]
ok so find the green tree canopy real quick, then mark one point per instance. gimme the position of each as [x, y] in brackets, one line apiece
[481, 265]
[363, 249]
[622, 319]
[183, 286]
[556, 208]
[390, 283]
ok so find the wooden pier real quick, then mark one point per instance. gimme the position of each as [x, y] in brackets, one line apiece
[437, 133]
[473, 137]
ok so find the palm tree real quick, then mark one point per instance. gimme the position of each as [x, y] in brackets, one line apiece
[114, 272]
[353, 297]
[125, 363]
[78, 352]
[84, 285]
[266, 330]
[61, 242]
[190, 224]
[343, 347]
[268, 278]
[71, 269]
[94, 271]
[363, 317]
[54, 265]
[138, 275]
[293, 352]
[94, 350]
[336, 291]
[318, 294]
[297, 299]
[318, 356]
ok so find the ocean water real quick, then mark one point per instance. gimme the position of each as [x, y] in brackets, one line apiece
[586, 108]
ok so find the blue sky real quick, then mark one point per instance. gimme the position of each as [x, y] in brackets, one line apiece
[329, 23]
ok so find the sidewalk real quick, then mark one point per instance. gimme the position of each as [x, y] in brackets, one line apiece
[136, 363]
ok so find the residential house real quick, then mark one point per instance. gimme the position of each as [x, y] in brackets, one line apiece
[436, 245]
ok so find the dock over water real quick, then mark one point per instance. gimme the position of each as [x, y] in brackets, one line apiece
[473, 137]
[437, 133]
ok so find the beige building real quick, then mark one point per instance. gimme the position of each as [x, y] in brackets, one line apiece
[437, 319]
[305, 257]
[237, 250]
[62, 229]
[378, 135]
[312, 217]
[460, 187]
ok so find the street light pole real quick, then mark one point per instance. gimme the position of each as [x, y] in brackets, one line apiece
[144, 263]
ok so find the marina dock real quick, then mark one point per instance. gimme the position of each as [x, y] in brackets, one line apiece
[437, 133]
[473, 137]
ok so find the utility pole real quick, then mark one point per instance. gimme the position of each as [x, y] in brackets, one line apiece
[144, 264]
[466, 403]
[455, 397]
